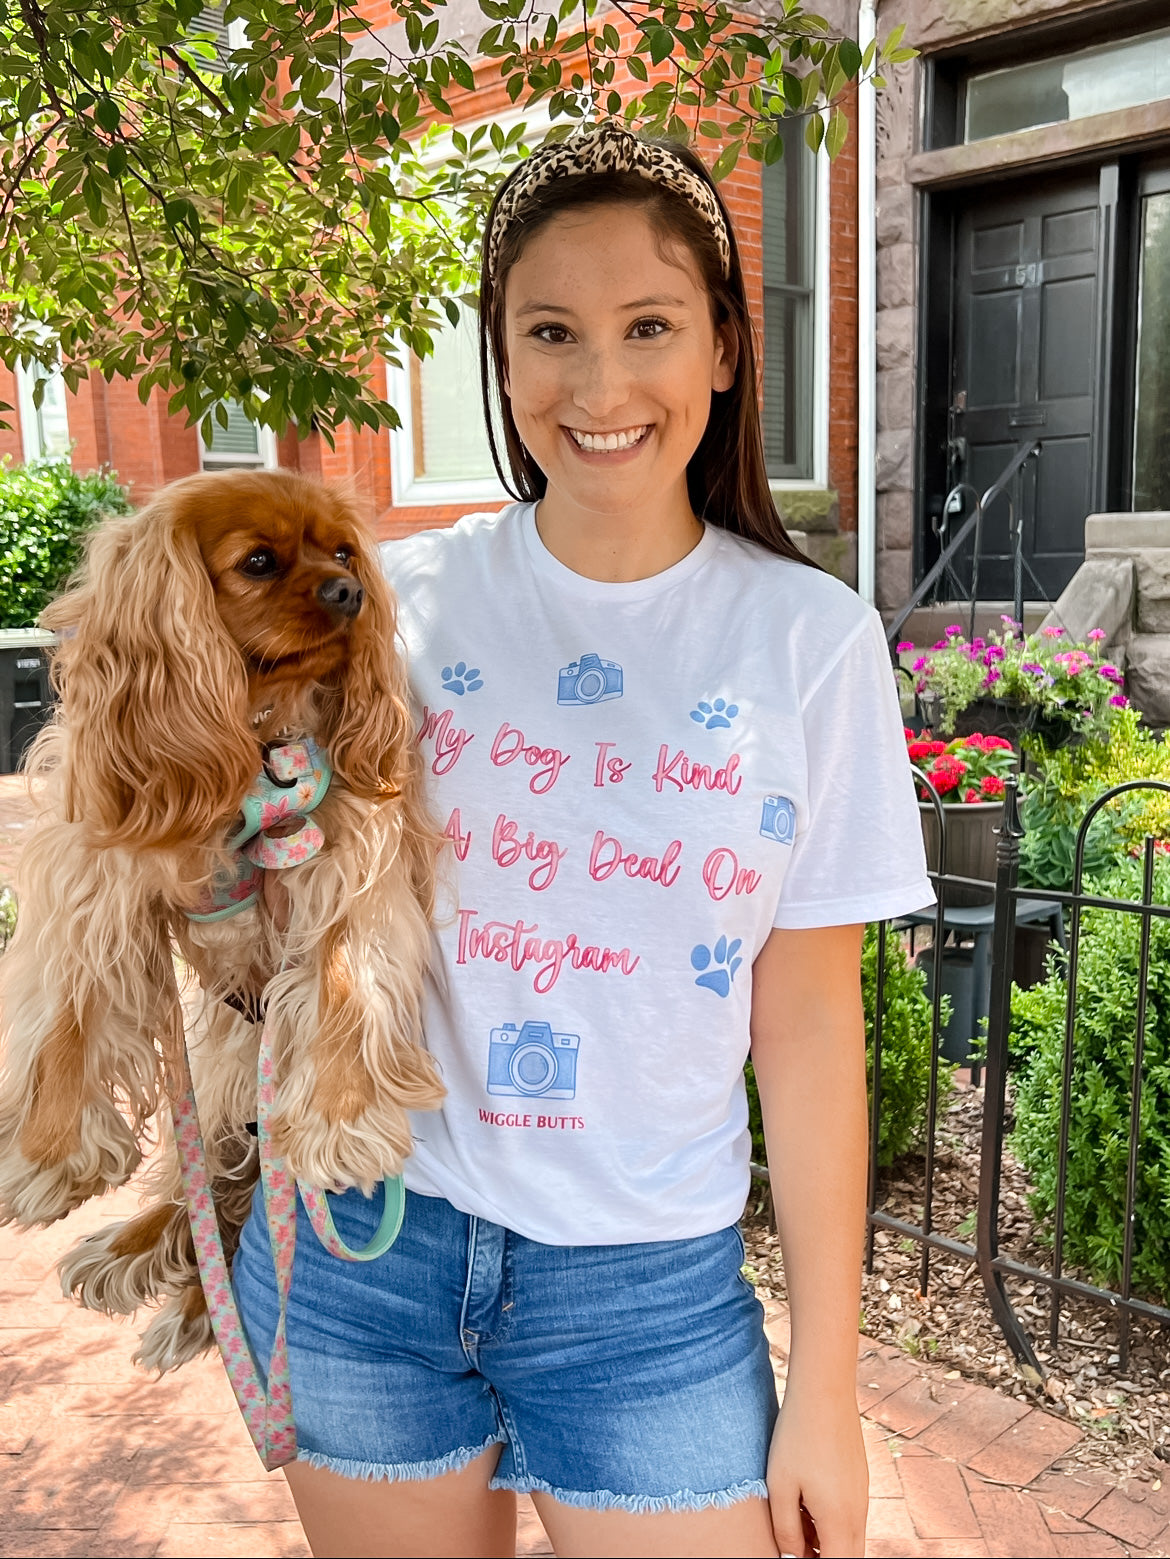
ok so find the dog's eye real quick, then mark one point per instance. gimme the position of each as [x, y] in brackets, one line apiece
[259, 564]
[343, 556]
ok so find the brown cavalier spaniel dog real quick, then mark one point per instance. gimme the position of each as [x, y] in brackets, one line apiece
[239, 618]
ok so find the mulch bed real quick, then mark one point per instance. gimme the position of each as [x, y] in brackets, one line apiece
[1125, 1416]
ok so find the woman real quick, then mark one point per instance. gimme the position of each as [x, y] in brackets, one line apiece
[668, 757]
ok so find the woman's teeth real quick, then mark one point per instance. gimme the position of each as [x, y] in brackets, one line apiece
[623, 440]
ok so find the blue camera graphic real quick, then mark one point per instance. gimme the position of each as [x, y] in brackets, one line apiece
[589, 680]
[532, 1062]
[779, 819]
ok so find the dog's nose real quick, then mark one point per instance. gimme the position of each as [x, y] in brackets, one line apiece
[341, 595]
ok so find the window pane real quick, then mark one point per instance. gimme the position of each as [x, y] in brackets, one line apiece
[1151, 453]
[52, 419]
[789, 230]
[1072, 86]
[450, 441]
[237, 445]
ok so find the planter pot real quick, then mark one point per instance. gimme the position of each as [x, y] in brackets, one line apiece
[971, 843]
[1000, 717]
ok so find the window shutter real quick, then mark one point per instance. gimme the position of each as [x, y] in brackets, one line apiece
[237, 445]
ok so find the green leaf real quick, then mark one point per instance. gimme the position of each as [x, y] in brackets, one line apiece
[836, 133]
[107, 114]
[725, 161]
[814, 132]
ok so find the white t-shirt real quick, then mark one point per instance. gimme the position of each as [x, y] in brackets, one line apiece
[639, 781]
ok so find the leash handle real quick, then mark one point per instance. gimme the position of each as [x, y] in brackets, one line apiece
[393, 1207]
[268, 1413]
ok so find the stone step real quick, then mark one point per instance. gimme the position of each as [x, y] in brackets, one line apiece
[928, 624]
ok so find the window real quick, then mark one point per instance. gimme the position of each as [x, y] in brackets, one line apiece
[792, 404]
[225, 36]
[1068, 86]
[1151, 450]
[242, 445]
[44, 429]
[440, 454]
[441, 451]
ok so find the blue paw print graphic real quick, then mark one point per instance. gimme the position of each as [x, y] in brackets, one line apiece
[461, 678]
[717, 966]
[712, 716]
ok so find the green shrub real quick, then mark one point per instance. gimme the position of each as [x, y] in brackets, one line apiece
[45, 510]
[1098, 1146]
[905, 1051]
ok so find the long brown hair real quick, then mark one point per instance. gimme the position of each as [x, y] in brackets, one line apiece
[727, 479]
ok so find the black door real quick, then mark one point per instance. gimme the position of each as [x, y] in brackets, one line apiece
[1026, 302]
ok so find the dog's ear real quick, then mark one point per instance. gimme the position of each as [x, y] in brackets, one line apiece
[368, 727]
[154, 691]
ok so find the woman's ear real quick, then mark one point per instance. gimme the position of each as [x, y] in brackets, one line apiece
[154, 690]
[726, 358]
[368, 726]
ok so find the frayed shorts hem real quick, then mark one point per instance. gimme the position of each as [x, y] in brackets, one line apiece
[638, 1504]
[399, 1472]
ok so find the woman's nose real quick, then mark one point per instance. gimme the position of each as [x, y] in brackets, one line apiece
[603, 383]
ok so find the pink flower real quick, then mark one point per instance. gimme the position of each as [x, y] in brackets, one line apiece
[904, 646]
[919, 664]
[992, 676]
[940, 644]
[992, 786]
[1095, 634]
[1111, 674]
[1052, 633]
[954, 631]
[1119, 701]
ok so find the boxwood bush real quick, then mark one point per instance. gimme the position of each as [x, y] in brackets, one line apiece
[905, 1051]
[45, 510]
[1098, 1144]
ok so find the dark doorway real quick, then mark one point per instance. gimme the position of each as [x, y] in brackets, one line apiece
[1024, 366]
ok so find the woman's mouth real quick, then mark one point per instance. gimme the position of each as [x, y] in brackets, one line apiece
[616, 442]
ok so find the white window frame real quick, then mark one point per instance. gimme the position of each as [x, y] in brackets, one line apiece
[407, 489]
[819, 480]
[30, 422]
[266, 459]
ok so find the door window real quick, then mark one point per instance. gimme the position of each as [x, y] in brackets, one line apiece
[1151, 448]
[1070, 86]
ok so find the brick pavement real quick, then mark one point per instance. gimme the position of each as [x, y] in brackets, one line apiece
[97, 1458]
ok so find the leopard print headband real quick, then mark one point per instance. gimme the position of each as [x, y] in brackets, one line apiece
[605, 148]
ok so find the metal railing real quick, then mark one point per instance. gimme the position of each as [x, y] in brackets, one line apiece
[994, 1267]
[972, 527]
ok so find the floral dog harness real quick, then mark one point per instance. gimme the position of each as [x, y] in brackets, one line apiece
[293, 781]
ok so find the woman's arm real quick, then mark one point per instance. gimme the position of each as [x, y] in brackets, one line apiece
[808, 1050]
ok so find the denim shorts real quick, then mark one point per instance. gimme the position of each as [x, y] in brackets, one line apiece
[634, 1377]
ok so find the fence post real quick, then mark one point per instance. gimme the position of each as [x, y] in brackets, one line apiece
[1007, 861]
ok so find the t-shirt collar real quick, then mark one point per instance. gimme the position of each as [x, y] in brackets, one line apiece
[564, 578]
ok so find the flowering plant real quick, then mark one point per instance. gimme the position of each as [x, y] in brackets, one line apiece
[1043, 672]
[971, 768]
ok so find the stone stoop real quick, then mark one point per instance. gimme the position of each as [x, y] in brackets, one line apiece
[1123, 586]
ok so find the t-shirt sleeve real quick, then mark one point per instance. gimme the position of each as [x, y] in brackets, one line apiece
[860, 854]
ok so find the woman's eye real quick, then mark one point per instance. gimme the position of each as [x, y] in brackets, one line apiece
[648, 329]
[553, 334]
[259, 564]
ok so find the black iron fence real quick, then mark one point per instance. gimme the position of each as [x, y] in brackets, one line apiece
[994, 1267]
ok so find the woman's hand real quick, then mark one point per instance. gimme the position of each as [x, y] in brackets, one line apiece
[818, 1478]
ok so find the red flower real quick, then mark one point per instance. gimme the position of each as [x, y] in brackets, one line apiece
[992, 786]
[946, 774]
[920, 750]
[971, 795]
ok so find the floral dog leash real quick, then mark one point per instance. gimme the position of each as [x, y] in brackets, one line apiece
[267, 1413]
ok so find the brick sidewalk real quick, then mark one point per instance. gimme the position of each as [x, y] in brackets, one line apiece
[99, 1459]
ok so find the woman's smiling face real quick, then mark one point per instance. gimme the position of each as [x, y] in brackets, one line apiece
[612, 356]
